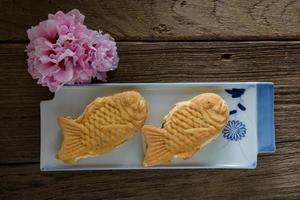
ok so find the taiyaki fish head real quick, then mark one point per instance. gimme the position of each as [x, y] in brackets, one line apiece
[214, 105]
[135, 106]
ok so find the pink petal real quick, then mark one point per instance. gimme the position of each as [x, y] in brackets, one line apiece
[79, 18]
[47, 59]
[101, 76]
[62, 30]
[46, 29]
[67, 53]
[64, 75]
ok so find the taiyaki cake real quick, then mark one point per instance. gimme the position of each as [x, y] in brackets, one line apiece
[186, 129]
[105, 124]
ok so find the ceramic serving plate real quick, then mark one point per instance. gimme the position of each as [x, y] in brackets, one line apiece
[250, 130]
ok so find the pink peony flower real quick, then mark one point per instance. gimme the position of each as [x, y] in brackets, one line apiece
[62, 50]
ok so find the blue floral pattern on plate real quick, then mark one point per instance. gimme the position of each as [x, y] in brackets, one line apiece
[234, 130]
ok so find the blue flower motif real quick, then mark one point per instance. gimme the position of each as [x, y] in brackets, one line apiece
[234, 130]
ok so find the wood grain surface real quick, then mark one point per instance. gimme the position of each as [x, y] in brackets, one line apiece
[163, 20]
[277, 177]
[159, 41]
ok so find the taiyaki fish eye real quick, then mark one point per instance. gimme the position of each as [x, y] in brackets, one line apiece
[208, 104]
[127, 100]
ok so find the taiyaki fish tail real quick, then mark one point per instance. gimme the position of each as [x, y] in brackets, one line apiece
[72, 148]
[156, 150]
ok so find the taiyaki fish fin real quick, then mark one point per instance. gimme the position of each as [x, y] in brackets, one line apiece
[199, 133]
[187, 155]
[156, 150]
[121, 131]
[72, 149]
[202, 135]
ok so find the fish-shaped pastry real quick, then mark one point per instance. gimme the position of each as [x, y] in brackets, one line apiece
[106, 123]
[186, 129]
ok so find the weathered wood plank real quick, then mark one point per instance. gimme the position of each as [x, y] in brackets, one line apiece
[277, 177]
[154, 62]
[164, 20]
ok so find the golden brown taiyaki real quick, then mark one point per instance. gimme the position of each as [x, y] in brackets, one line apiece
[105, 124]
[187, 128]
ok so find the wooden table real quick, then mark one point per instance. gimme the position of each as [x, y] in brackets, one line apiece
[159, 41]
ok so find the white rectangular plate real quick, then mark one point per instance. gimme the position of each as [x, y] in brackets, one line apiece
[237, 147]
